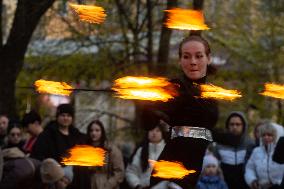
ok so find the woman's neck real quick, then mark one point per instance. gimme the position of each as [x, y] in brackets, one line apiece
[96, 143]
[198, 81]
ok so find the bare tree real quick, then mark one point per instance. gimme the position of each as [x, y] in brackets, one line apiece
[12, 53]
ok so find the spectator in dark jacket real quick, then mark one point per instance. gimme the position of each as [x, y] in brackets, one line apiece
[32, 122]
[232, 149]
[58, 136]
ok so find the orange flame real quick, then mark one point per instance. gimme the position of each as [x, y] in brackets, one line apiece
[52, 87]
[144, 88]
[169, 170]
[84, 155]
[211, 91]
[273, 90]
[184, 19]
[89, 13]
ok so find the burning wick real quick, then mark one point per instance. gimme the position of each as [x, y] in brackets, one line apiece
[144, 88]
[169, 170]
[53, 87]
[273, 90]
[211, 91]
[89, 13]
[84, 155]
[184, 19]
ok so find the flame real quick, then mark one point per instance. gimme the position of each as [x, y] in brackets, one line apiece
[52, 87]
[169, 170]
[211, 91]
[89, 13]
[273, 90]
[144, 88]
[184, 19]
[84, 155]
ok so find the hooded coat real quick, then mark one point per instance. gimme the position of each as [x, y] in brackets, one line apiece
[262, 168]
[232, 152]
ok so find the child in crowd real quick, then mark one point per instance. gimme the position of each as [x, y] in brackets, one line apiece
[211, 176]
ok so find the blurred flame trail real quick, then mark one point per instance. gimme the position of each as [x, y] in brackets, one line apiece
[144, 88]
[169, 170]
[273, 90]
[84, 155]
[53, 87]
[211, 91]
[89, 13]
[184, 19]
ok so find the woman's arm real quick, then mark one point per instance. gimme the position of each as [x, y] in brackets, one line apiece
[117, 167]
[250, 170]
[133, 170]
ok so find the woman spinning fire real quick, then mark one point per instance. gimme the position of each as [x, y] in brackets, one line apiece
[191, 118]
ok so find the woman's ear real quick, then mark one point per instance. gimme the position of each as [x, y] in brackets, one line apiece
[210, 60]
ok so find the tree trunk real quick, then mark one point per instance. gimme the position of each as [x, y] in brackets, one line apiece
[27, 16]
[149, 34]
[164, 46]
[197, 5]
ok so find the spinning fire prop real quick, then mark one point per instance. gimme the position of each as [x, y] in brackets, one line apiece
[89, 13]
[169, 170]
[211, 91]
[184, 19]
[273, 90]
[84, 155]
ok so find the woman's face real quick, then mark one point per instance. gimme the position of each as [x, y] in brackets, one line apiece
[95, 133]
[155, 135]
[194, 60]
[267, 138]
[14, 136]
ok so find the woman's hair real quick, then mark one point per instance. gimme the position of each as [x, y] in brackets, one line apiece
[103, 136]
[195, 38]
[268, 128]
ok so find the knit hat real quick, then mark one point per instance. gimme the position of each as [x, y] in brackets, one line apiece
[65, 108]
[209, 160]
[51, 171]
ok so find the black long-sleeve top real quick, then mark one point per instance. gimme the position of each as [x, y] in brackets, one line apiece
[187, 109]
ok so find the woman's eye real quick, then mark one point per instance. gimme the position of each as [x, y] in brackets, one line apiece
[185, 56]
[199, 56]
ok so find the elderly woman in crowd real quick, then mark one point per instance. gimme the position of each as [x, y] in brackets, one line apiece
[261, 171]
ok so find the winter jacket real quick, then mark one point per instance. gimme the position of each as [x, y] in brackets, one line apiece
[262, 168]
[112, 173]
[21, 173]
[211, 182]
[233, 151]
[51, 143]
[134, 173]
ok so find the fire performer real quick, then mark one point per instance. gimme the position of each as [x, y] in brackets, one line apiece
[190, 118]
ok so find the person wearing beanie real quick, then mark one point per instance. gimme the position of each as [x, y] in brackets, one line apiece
[211, 175]
[32, 122]
[58, 136]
